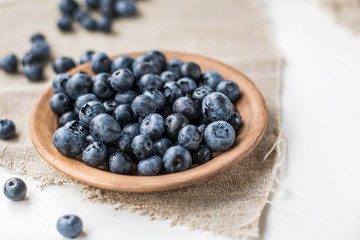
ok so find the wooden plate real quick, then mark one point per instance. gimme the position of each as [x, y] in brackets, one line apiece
[43, 123]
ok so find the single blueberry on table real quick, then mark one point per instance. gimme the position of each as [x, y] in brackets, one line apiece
[235, 121]
[188, 107]
[90, 110]
[69, 226]
[63, 64]
[230, 89]
[33, 72]
[168, 76]
[216, 106]
[107, 8]
[174, 123]
[149, 81]
[65, 23]
[124, 144]
[15, 189]
[93, 4]
[122, 80]
[110, 106]
[211, 79]
[89, 23]
[70, 139]
[161, 145]
[125, 97]
[190, 137]
[177, 159]
[150, 166]
[104, 24]
[200, 93]
[68, 7]
[157, 96]
[125, 8]
[60, 103]
[28, 58]
[174, 65]
[202, 155]
[105, 128]
[101, 88]
[124, 114]
[37, 37]
[142, 146]
[81, 100]
[67, 117]
[7, 129]
[59, 83]
[131, 129]
[152, 125]
[120, 163]
[86, 56]
[122, 62]
[100, 63]
[143, 105]
[79, 84]
[172, 91]
[191, 70]
[95, 154]
[187, 85]
[40, 50]
[9, 63]
[219, 136]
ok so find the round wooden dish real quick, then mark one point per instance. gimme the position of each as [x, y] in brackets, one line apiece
[43, 123]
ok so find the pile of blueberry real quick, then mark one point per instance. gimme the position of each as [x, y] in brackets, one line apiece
[32, 61]
[159, 115]
[109, 10]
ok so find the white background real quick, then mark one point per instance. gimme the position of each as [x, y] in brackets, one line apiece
[321, 117]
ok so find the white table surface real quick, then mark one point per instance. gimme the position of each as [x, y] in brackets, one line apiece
[321, 116]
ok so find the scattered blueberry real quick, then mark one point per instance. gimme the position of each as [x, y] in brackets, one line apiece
[120, 163]
[105, 128]
[68, 7]
[211, 79]
[161, 145]
[188, 107]
[60, 103]
[122, 62]
[122, 80]
[104, 24]
[219, 136]
[190, 137]
[95, 154]
[216, 106]
[150, 166]
[78, 84]
[63, 64]
[153, 126]
[107, 8]
[125, 8]
[15, 189]
[28, 58]
[100, 63]
[33, 72]
[177, 159]
[143, 105]
[230, 89]
[69, 226]
[80, 15]
[89, 23]
[7, 129]
[59, 83]
[40, 50]
[9, 63]
[174, 123]
[90, 110]
[86, 56]
[142, 146]
[202, 155]
[93, 4]
[65, 23]
[191, 70]
[37, 37]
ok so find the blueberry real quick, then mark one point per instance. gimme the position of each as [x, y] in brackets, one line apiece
[157, 96]
[101, 76]
[150, 166]
[211, 79]
[37, 37]
[59, 83]
[70, 139]
[187, 85]
[142, 146]
[124, 144]
[150, 81]
[190, 137]
[79, 84]
[28, 58]
[161, 145]
[202, 155]
[105, 128]
[131, 129]
[40, 50]
[104, 24]
[90, 110]
[191, 70]
[125, 97]
[107, 8]
[101, 88]
[152, 125]
[160, 57]
[69, 226]
[120, 163]
[201, 92]
[7, 129]
[166, 111]
[67, 117]
[89, 23]
[60, 103]
[216, 106]
[33, 72]
[15, 189]
[9, 63]
[122, 62]
[174, 65]
[79, 15]
[177, 159]
[230, 89]
[63, 64]
[100, 63]
[143, 105]
[68, 7]
[174, 123]
[94, 4]
[122, 80]
[219, 136]
[110, 106]
[124, 114]
[202, 127]
[168, 76]
[235, 121]
[86, 56]
[172, 91]
[125, 8]
[95, 154]
[65, 23]
[146, 64]
[81, 100]
[188, 107]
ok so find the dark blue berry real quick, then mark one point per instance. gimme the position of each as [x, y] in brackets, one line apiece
[160, 57]
[202, 155]
[90, 139]
[68, 7]
[219, 136]
[9, 63]
[125, 8]
[187, 85]
[105, 128]
[131, 129]
[79, 15]
[100, 63]
[28, 58]
[79, 84]
[142, 146]
[150, 81]
[172, 91]
[168, 76]
[65, 23]
[124, 144]
[63, 64]
[230, 89]
[86, 56]
[15, 189]
[125, 97]
[101, 88]
[107, 8]
[69, 226]
[7, 129]
[150, 166]
[95, 154]
[174, 65]
[104, 24]
[122, 62]
[124, 114]
[60, 103]
[174, 123]
[59, 83]
[177, 159]
[188, 107]
[81, 100]
[157, 96]
[190, 137]
[89, 23]
[37, 37]
[120, 163]
[144, 64]
[191, 70]
[152, 125]
[101, 76]
[122, 80]
[67, 117]
[161, 145]
[143, 105]
[94, 4]
[201, 92]
[110, 106]
[211, 79]
[40, 50]
[235, 121]
[216, 106]
[90, 110]
[202, 127]
[33, 72]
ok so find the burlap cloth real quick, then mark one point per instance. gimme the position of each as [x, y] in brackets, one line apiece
[234, 32]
